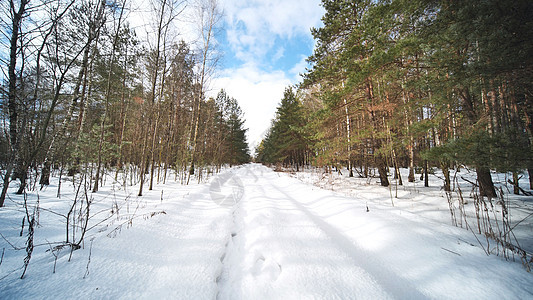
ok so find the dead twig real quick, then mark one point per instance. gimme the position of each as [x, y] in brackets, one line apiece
[55, 257]
[2, 258]
[88, 261]
[469, 181]
[10, 244]
[450, 251]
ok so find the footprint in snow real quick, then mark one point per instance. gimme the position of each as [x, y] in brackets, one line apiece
[266, 268]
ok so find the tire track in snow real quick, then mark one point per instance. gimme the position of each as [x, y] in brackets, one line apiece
[222, 277]
[280, 252]
[231, 258]
[278, 248]
[378, 271]
[391, 283]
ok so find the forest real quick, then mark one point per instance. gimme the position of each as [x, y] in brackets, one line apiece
[391, 84]
[125, 174]
[83, 94]
[413, 84]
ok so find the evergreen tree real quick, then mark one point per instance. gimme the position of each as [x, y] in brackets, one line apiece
[394, 78]
[285, 142]
[479, 54]
[237, 151]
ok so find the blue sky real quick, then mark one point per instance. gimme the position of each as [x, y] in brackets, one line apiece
[265, 44]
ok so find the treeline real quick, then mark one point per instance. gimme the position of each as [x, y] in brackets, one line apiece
[82, 93]
[414, 84]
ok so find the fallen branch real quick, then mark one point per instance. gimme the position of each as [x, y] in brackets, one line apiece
[521, 189]
[450, 251]
[469, 181]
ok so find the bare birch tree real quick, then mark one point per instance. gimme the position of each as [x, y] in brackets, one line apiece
[208, 16]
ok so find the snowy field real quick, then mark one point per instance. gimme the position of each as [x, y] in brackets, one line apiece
[252, 233]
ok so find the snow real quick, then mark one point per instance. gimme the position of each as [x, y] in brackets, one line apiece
[251, 233]
[429, 203]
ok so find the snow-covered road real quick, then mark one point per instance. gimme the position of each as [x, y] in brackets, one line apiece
[252, 233]
[281, 249]
[292, 241]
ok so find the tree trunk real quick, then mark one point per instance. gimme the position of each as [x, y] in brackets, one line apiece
[123, 113]
[152, 152]
[516, 186]
[398, 175]
[209, 10]
[107, 96]
[95, 26]
[21, 173]
[143, 161]
[486, 186]
[45, 175]
[530, 173]
[348, 134]
[12, 93]
[426, 173]
[7, 177]
[446, 172]
[382, 170]
[411, 146]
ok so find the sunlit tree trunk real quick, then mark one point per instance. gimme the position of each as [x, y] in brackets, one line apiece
[209, 16]
[13, 94]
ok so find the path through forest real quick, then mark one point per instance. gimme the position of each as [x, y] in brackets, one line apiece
[289, 240]
[252, 233]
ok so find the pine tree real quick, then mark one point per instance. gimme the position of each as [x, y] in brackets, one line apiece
[239, 152]
[398, 78]
[479, 48]
[286, 142]
[231, 115]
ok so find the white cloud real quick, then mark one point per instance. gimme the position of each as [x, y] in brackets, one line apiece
[280, 17]
[254, 25]
[279, 54]
[258, 94]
